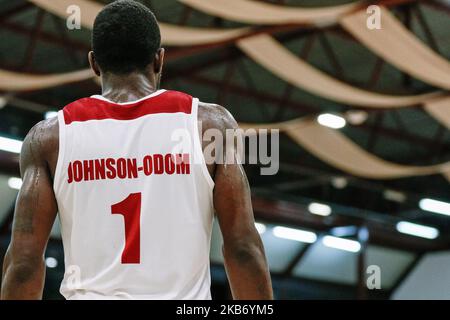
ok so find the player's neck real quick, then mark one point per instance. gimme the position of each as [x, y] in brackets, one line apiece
[125, 88]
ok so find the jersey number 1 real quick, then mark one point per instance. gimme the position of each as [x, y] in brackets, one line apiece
[130, 209]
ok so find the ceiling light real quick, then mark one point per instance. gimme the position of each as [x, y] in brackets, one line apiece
[10, 145]
[319, 209]
[339, 182]
[341, 244]
[3, 102]
[51, 262]
[394, 195]
[260, 227]
[50, 114]
[295, 234]
[331, 121]
[435, 206]
[356, 118]
[344, 231]
[15, 183]
[417, 230]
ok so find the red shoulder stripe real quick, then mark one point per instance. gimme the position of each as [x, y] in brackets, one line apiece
[96, 109]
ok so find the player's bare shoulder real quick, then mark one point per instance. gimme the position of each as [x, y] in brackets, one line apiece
[215, 116]
[42, 144]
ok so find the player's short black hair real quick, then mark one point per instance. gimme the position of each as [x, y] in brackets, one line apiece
[125, 37]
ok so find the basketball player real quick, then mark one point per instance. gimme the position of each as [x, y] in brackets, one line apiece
[135, 216]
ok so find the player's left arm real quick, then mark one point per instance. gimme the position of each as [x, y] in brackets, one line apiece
[35, 211]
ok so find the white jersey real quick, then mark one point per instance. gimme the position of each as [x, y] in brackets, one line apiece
[135, 208]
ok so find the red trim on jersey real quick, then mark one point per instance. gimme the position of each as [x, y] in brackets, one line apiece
[96, 109]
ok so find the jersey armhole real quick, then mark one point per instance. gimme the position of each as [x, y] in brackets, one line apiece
[61, 151]
[198, 156]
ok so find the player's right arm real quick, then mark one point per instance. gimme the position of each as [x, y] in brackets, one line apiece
[35, 211]
[245, 260]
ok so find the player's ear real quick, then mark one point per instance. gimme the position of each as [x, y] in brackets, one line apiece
[158, 62]
[93, 63]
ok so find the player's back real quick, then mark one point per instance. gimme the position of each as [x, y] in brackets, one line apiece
[134, 198]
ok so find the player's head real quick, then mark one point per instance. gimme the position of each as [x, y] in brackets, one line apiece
[126, 39]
